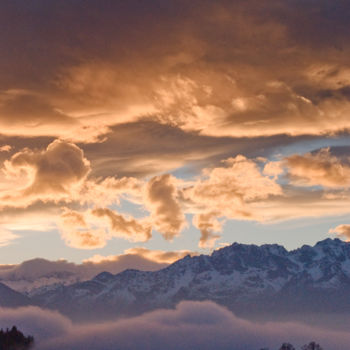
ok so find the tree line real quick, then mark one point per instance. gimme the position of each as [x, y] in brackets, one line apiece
[311, 346]
[13, 339]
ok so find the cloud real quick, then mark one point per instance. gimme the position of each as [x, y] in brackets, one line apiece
[132, 259]
[126, 227]
[159, 148]
[33, 320]
[162, 201]
[177, 86]
[239, 180]
[208, 224]
[228, 192]
[6, 237]
[51, 174]
[35, 181]
[274, 168]
[5, 148]
[77, 233]
[229, 69]
[91, 229]
[159, 256]
[341, 231]
[240, 188]
[320, 168]
[108, 191]
[191, 325]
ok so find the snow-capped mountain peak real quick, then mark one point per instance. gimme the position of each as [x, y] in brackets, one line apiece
[242, 277]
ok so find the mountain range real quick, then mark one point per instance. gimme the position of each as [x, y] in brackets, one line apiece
[247, 279]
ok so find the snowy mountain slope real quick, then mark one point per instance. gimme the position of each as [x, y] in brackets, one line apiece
[246, 278]
[11, 298]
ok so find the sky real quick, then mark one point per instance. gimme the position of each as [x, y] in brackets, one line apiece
[162, 128]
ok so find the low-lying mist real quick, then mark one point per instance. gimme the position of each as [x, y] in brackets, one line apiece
[192, 325]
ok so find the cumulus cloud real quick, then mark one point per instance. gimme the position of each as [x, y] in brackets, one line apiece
[45, 179]
[51, 174]
[77, 233]
[91, 229]
[238, 188]
[191, 325]
[320, 168]
[110, 190]
[162, 200]
[239, 180]
[341, 231]
[227, 191]
[274, 168]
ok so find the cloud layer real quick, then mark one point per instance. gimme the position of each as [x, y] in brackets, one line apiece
[223, 68]
[85, 208]
[38, 272]
[192, 325]
[197, 112]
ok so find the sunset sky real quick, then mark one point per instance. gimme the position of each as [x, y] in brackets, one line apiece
[160, 128]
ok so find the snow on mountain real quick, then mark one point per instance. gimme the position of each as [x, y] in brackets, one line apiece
[245, 278]
[11, 298]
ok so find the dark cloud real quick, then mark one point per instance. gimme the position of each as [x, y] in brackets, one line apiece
[222, 69]
[147, 148]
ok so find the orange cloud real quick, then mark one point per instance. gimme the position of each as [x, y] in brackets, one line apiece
[341, 231]
[243, 69]
[5, 148]
[208, 224]
[321, 168]
[125, 227]
[163, 202]
[160, 256]
[239, 181]
[51, 174]
[110, 190]
[77, 234]
[241, 188]
[227, 191]
[89, 229]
